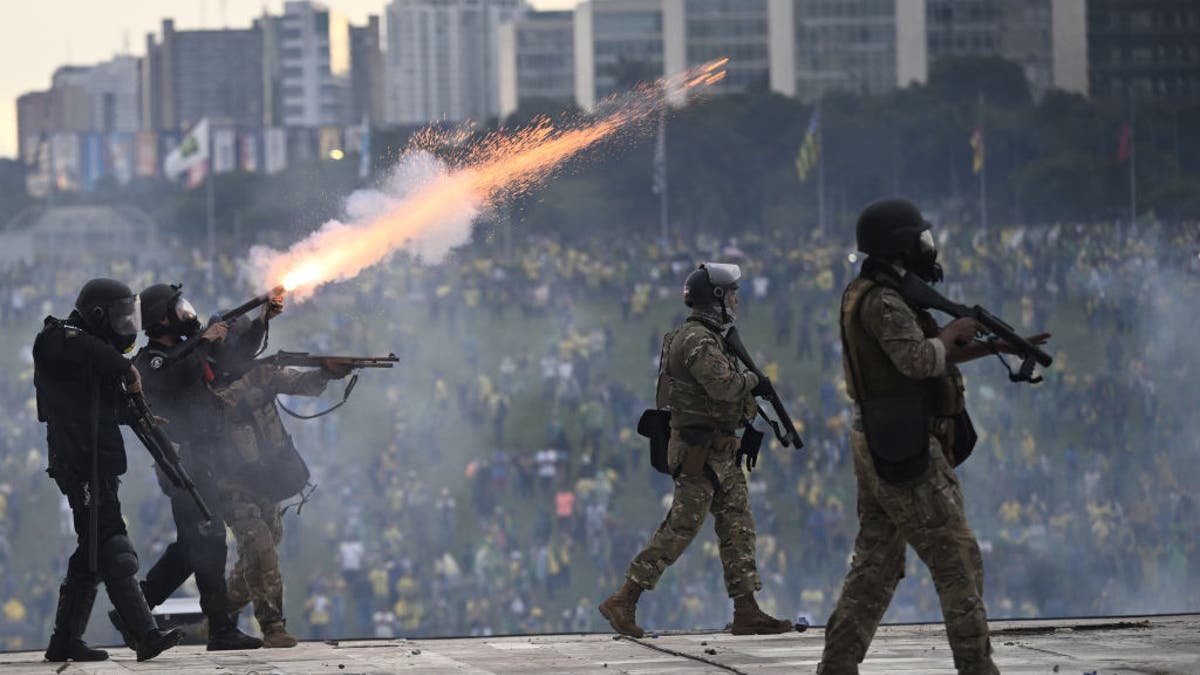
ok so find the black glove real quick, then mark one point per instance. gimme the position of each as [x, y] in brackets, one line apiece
[763, 387]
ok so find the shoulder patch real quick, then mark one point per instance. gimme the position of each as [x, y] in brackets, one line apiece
[156, 362]
[70, 331]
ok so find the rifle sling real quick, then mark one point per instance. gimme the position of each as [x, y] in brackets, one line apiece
[345, 397]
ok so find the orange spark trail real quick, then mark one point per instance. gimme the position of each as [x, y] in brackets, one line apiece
[440, 209]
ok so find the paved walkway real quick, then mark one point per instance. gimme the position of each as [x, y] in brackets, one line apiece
[1071, 646]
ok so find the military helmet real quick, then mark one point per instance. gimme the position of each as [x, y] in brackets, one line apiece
[709, 284]
[109, 309]
[166, 301]
[890, 228]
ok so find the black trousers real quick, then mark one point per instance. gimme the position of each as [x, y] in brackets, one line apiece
[79, 497]
[196, 550]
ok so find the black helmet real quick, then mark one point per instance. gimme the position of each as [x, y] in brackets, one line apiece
[111, 311]
[895, 228]
[166, 301]
[709, 284]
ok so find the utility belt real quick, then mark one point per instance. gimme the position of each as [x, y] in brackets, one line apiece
[701, 429]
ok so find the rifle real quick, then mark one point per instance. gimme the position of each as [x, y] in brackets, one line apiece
[787, 435]
[146, 428]
[307, 360]
[919, 293]
[181, 350]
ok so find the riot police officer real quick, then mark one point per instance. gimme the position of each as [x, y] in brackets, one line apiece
[79, 375]
[710, 396]
[177, 386]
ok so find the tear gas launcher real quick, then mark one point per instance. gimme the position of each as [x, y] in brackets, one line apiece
[182, 350]
[922, 295]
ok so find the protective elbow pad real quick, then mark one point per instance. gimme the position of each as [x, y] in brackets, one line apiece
[117, 557]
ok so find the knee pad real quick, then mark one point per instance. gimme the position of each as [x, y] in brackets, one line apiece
[117, 558]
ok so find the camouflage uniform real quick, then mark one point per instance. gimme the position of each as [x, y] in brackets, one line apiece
[894, 348]
[263, 470]
[709, 397]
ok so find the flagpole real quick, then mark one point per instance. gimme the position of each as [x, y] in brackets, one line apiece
[820, 172]
[983, 211]
[211, 225]
[664, 214]
[1132, 169]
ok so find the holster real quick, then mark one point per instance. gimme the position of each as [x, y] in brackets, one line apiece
[656, 426]
[897, 431]
[965, 437]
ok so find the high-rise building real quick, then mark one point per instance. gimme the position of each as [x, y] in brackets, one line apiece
[736, 29]
[40, 113]
[310, 46]
[190, 75]
[1144, 49]
[860, 46]
[536, 56]
[366, 72]
[1045, 37]
[441, 60]
[112, 91]
[96, 98]
[621, 42]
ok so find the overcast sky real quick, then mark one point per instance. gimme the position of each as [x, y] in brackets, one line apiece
[37, 36]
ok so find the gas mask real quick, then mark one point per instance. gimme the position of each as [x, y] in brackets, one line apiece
[922, 260]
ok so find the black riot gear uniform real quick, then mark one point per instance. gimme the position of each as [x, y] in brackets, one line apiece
[895, 229]
[178, 388]
[78, 376]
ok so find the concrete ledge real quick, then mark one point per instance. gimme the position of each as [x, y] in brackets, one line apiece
[1162, 644]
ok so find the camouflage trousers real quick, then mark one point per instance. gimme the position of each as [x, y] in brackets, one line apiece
[926, 513]
[258, 529]
[707, 480]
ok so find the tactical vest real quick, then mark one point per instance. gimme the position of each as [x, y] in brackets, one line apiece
[679, 391]
[943, 395]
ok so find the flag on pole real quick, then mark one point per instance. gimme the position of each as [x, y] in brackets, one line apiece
[191, 155]
[660, 156]
[810, 148]
[977, 150]
[1124, 143]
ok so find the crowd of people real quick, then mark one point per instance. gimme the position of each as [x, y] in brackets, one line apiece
[493, 481]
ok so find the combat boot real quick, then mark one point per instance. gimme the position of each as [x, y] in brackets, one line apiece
[70, 621]
[133, 612]
[275, 636]
[223, 635]
[748, 619]
[621, 609]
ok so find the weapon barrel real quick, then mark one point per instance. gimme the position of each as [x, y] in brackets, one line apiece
[248, 306]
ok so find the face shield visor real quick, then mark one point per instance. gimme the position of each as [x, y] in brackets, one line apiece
[723, 277]
[125, 320]
[184, 312]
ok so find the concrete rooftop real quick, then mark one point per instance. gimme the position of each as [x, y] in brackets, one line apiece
[1169, 644]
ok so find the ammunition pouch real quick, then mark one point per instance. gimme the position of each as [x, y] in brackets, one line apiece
[656, 426]
[897, 431]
